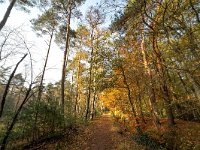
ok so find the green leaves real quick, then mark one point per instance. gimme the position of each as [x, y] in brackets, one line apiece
[45, 23]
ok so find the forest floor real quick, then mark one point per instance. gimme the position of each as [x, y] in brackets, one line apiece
[100, 134]
[104, 133]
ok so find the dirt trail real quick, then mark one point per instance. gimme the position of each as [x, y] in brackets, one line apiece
[102, 134]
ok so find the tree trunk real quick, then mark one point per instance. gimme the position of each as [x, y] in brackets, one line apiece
[93, 104]
[162, 75]
[6, 15]
[40, 90]
[64, 60]
[90, 77]
[195, 11]
[160, 67]
[4, 141]
[94, 89]
[72, 96]
[8, 85]
[140, 101]
[44, 69]
[77, 88]
[129, 97]
[152, 99]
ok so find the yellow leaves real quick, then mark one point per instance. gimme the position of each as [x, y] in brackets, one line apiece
[114, 99]
[107, 97]
[82, 31]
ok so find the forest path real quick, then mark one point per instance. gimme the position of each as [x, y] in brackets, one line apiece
[100, 134]
[103, 134]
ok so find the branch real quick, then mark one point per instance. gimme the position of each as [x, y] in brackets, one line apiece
[195, 11]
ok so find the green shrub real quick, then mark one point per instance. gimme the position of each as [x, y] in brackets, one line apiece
[37, 120]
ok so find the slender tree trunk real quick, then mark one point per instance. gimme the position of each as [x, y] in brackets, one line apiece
[18, 99]
[160, 67]
[90, 77]
[44, 68]
[163, 80]
[129, 97]
[93, 103]
[8, 85]
[4, 141]
[152, 99]
[140, 101]
[64, 59]
[94, 88]
[72, 96]
[195, 11]
[77, 88]
[7, 14]
[40, 90]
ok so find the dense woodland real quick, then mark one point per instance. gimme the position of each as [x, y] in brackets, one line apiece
[143, 68]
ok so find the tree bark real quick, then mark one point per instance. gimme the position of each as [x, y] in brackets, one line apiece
[64, 60]
[6, 15]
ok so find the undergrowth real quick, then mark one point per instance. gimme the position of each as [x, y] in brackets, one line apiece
[147, 141]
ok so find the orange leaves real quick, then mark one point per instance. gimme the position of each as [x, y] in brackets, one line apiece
[115, 99]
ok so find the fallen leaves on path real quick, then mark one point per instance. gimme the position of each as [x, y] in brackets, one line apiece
[102, 134]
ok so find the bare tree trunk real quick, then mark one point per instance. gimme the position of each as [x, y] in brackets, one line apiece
[3, 145]
[44, 68]
[90, 77]
[6, 15]
[8, 85]
[64, 59]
